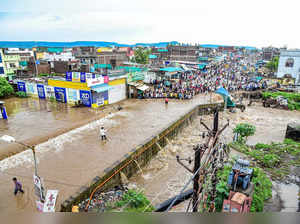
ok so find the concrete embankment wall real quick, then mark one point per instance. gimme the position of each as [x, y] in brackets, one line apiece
[142, 154]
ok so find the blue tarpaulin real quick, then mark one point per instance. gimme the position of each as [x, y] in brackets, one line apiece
[171, 69]
[202, 66]
[152, 56]
[224, 93]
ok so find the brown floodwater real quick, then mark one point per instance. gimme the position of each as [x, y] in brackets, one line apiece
[163, 177]
[33, 121]
[72, 159]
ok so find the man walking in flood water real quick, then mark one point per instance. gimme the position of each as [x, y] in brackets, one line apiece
[103, 134]
[18, 186]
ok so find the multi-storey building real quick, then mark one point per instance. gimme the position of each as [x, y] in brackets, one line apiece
[289, 65]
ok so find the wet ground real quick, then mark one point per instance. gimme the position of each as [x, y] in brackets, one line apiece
[32, 121]
[71, 160]
[163, 178]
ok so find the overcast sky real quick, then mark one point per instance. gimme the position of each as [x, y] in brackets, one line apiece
[230, 22]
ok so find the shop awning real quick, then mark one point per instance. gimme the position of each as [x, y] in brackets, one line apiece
[139, 85]
[143, 87]
[101, 88]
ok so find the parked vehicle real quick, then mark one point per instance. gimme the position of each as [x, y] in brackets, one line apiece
[239, 180]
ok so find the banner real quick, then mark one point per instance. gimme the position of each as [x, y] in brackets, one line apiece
[95, 81]
[106, 79]
[69, 76]
[60, 94]
[41, 91]
[72, 94]
[50, 202]
[75, 76]
[85, 97]
[22, 87]
[82, 77]
[30, 88]
[88, 76]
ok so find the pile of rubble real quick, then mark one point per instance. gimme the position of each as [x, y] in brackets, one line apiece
[103, 201]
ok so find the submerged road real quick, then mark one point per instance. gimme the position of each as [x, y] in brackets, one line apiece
[71, 160]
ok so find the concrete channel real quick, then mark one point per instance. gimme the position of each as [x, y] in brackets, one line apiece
[142, 154]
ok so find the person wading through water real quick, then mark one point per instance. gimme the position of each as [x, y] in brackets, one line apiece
[18, 186]
[103, 134]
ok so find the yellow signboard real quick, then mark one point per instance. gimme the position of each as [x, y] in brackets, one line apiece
[75, 76]
[104, 49]
[67, 84]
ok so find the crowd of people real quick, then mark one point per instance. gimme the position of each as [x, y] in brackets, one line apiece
[185, 85]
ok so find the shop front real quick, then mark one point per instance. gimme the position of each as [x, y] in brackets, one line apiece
[100, 95]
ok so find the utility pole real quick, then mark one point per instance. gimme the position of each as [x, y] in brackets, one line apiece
[197, 162]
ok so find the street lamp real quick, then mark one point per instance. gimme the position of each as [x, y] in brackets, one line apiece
[10, 139]
[37, 180]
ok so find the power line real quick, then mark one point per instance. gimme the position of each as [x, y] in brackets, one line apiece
[45, 180]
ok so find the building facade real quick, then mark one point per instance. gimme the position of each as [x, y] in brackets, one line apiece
[289, 65]
[2, 73]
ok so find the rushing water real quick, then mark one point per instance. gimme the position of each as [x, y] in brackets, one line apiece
[165, 171]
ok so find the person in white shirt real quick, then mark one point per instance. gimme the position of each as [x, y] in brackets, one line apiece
[103, 134]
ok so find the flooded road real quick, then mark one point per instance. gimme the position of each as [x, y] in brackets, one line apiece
[33, 121]
[72, 159]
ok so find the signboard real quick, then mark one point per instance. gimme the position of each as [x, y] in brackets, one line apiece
[72, 95]
[106, 79]
[75, 76]
[95, 81]
[49, 205]
[82, 77]
[85, 97]
[39, 191]
[41, 91]
[22, 86]
[30, 88]
[60, 94]
[50, 91]
[100, 101]
[69, 76]
[88, 76]
[39, 206]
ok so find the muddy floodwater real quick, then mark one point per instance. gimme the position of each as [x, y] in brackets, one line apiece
[72, 159]
[163, 177]
[34, 121]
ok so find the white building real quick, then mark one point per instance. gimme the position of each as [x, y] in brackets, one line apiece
[65, 55]
[289, 65]
[2, 74]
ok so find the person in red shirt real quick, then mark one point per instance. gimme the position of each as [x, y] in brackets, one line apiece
[166, 100]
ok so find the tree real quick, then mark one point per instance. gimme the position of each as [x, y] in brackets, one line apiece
[5, 88]
[244, 130]
[141, 55]
[273, 64]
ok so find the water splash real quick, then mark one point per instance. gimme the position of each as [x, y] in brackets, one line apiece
[56, 144]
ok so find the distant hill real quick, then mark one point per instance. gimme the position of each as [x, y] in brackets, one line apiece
[30, 44]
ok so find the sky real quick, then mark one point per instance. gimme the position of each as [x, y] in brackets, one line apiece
[257, 23]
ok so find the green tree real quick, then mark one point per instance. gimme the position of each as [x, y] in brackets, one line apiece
[273, 64]
[5, 88]
[141, 55]
[244, 130]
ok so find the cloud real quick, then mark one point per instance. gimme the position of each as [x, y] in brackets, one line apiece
[254, 23]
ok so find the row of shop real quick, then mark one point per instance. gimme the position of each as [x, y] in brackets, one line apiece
[89, 89]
